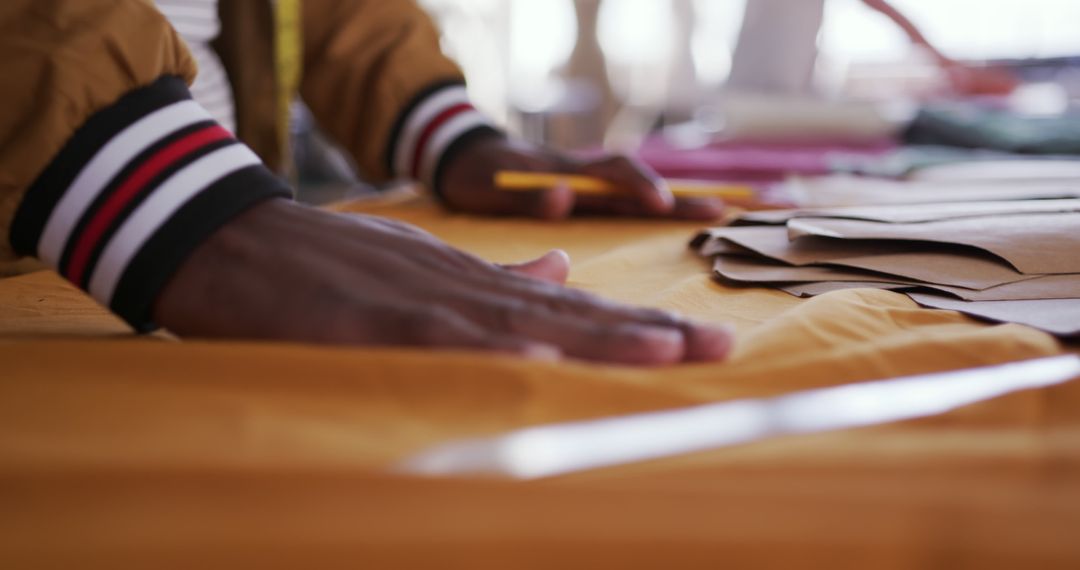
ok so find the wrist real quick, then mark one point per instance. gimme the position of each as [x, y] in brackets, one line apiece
[438, 122]
[475, 147]
[133, 191]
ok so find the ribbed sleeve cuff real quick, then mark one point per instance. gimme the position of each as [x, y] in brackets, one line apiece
[433, 126]
[133, 192]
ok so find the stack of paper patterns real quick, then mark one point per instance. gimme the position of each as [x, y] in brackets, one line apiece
[1005, 261]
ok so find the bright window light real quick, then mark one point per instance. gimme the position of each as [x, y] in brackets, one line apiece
[962, 29]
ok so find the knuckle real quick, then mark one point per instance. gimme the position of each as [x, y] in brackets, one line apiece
[568, 301]
[657, 316]
[405, 228]
[605, 337]
[509, 316]
[420, 325]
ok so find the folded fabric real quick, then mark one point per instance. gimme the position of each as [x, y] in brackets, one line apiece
[914, 213]
[846, 190]
[932, 263]
[1028, 169]
[912, 160]
[1032, 243]
[1060, 317]
[744, 270]
[1006, 261]
[806, 290]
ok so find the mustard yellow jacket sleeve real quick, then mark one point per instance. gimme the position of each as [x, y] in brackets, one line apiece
[60, 62]
[376, 79]
[109, 172]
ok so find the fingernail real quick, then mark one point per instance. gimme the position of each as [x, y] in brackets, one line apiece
[665, 198]
[560, 253]
[714, 330]
[659, 337]
[726, 328]
[542, 353]
[660, 346]
[674, 316]
[709, 341]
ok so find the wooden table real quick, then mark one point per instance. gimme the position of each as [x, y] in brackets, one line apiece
[121, 451]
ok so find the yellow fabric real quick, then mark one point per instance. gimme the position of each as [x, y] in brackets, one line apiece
[288, 66]
[64, 60]
[124, 451]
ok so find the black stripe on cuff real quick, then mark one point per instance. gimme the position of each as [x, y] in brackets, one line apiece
[144, 193]
[99, 129]
[403, 117]
[455, 148]
[161, 256]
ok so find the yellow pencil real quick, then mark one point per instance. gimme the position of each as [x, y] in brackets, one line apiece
[516, 181]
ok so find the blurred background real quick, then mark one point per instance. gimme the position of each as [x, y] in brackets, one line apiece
[617, 74]
[672, 57]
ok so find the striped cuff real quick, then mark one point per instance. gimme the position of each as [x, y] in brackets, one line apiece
[429, 130]
[133, 192]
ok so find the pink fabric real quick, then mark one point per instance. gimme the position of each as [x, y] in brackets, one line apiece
[745, 161]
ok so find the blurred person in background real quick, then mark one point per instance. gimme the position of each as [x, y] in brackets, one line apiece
[379, 85]
[777, 50]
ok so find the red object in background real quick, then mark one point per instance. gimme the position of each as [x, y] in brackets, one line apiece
[753, 162]
[760, 164]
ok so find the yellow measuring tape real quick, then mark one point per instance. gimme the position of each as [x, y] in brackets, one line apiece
[288, 63]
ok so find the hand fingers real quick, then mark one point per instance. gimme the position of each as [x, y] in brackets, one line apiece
[544, 203]
[697, 209]
[625, 343]
[624, 206]
[553, 267]
[636, 180]
[704, 209]
[444, 328]
[534, 285]
[702, 341]
[707, 342]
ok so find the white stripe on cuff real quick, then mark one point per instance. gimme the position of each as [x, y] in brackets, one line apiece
[106, 164]
[443, 138]
[418, 120]
[169, 197]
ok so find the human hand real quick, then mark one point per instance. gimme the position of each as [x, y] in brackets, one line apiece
[283, 271]
[468, 184]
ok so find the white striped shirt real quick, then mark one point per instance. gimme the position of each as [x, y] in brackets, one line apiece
[197, 23]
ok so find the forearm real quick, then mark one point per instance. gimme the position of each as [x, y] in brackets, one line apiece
[112, 174]
[63, 61]
[377, 80]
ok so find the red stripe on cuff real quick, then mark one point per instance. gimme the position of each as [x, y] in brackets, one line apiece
[131, 188]
[430, 130]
